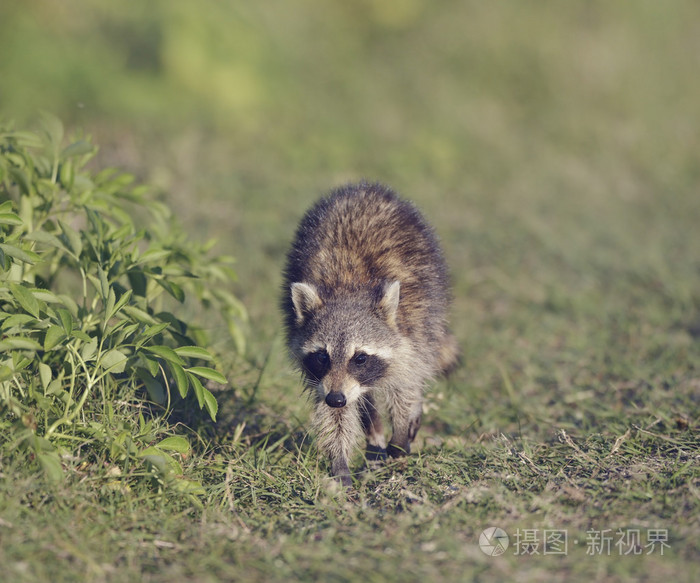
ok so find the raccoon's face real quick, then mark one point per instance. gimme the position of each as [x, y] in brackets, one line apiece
[344, 346]
[341, 374]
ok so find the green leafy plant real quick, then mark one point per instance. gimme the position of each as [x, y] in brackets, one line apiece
[92, 272]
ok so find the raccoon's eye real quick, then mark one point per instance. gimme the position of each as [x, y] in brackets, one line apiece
[360, 359]
[317, 364]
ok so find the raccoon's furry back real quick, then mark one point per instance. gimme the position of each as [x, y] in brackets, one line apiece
[362, 237]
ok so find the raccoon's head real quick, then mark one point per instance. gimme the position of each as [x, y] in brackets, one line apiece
[344, 343]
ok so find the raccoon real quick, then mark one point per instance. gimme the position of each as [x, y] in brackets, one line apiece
[365, 300]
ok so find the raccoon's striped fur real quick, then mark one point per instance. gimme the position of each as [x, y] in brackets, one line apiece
[365, 300]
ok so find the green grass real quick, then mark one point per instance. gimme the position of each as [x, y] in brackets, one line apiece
[553, 147]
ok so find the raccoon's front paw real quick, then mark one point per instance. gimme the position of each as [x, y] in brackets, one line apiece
[341, 472]
[345, 480]
[395, 450]
[375, 453]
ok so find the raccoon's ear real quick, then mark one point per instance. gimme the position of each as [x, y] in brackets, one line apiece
[389, 304]
[305, 299]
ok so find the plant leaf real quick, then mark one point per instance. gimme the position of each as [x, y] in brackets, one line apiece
[46, 238]
[166, 353]
[80, 335]
[89, 350]
[20, 254]
[153, 255]
[153, 387]
[77, 149]
[72, 238]
[172, 288]
[109, 305]
[151, 364]
[10, 219]
[54, 335]
[211, 404]
[180, 378]
[113, 361]
[162, 461]
[20, 320]
[53, 127]
[198, 389]
[26, 299]
[174, 443]
[104, 284]
[151, 331]
[18, 343]
[6, 373]
[45, 374]
[120, 303]
[194, 352]
[20, 177]
[27, 139]
[139, 315]
[51, 465]
[208, 373]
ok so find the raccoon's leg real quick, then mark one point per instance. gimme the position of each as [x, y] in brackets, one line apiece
[372, 424]
[338, 431]
[405, 418]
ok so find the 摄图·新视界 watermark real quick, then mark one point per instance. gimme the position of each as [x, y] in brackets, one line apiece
[495, 541]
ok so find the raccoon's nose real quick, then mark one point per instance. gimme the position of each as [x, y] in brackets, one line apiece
[335, 399]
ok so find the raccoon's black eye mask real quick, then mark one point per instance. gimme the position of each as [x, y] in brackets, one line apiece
[317, 364]
[367, 368]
